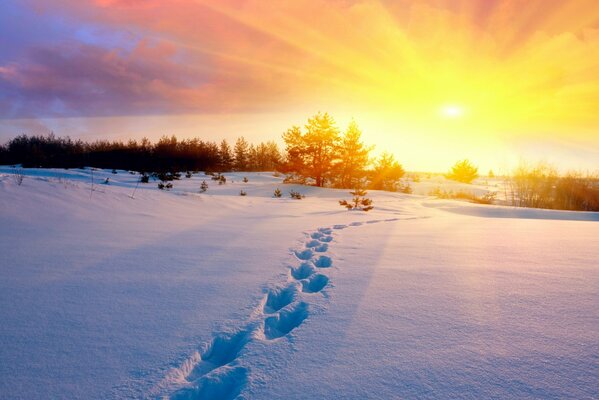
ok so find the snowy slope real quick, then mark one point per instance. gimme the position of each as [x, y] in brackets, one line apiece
[215, 295]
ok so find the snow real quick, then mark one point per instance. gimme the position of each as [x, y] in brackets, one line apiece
[186, 295]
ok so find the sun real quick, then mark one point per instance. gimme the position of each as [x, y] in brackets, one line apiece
[451, 111]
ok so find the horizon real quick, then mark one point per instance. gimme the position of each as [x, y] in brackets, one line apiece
[431, 82]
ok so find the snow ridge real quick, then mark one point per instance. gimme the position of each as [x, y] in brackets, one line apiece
[214, 372]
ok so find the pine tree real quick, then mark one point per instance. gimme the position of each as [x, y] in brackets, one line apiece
[358, 202]
[386, 173]
[226, 156]
[241, 154]
[463, 171]
[278, 193]
[353, 158]
[295, 149]
[321, 138]
[203, 187]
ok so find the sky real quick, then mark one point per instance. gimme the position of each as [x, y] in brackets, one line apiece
[432, 81]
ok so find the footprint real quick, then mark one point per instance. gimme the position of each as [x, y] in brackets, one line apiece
[355, 224]
[323, 262]
[326, 231]
[303, 271]
[326, 239]
[285, 321]
[225, 384]
[321, 248]
[374, 221]
[316, 235]
[304, 255]
[340, 226]
[223, 349]
[313, 243]
[280, 297]
[315, 284]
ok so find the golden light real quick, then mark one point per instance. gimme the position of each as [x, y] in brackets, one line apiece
[452, 111]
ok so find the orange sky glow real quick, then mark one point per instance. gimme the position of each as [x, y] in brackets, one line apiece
[432, 81]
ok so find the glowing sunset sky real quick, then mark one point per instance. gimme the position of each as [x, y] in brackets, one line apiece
[430, 80]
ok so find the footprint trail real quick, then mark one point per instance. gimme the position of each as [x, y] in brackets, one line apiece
[218, 371]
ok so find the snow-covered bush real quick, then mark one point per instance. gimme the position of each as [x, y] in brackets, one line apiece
[296, 195]
[18, 176]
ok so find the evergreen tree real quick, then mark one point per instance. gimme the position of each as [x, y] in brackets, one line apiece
[203, 187]
[353, 158]
[295, 149]
[321, 138]
[358, 202]
[386, 173]
[241, 154]
[463, 171]
[226, 156]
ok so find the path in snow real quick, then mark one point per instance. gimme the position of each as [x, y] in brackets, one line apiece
[214, 371]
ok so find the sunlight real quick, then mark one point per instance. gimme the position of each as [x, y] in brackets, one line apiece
[452, 111]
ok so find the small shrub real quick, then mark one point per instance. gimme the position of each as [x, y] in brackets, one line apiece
[144, 178]
[167, 176]
[242, 193]
[463, 171]
[165, 186]
[296, 195]
[359, 201]
[407, 189]
[487, 198]
[114, 171]
[203, 187]
[245, 179]
[107, 181]
[222, 180]
[188, 174]
[278, 193]
[18, 176]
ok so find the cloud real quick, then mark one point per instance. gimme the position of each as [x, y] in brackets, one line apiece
[76, 79]
[501, 58]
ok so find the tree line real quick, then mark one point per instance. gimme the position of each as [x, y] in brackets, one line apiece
[168, 154]
[320, 154]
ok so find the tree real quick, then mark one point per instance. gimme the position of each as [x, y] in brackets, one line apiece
[463, 171]
[295, 149]
[241, 154]
[386, 173]
[353, 158]
[311, 155]
[322, 138]
[358, 202]
[226, 156]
